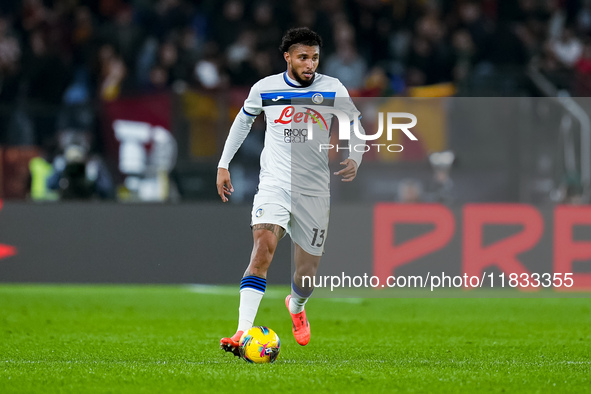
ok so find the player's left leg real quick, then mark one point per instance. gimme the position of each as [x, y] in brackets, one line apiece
[309, 229]
[269, 222]
[306, 266]
[254, 282]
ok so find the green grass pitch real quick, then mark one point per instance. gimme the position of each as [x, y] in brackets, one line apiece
[164, 339]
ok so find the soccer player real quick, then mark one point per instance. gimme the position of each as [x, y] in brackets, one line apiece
[293, 192]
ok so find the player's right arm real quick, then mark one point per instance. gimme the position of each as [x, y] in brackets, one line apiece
[352, 163]
[238, 132]
[224, 184]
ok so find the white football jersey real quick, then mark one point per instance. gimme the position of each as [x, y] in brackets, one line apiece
[292, 157]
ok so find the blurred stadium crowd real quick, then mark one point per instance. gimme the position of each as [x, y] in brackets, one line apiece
[58, 56]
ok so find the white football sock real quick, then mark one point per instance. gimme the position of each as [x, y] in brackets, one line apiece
[299, 297]
[249, 305]
[296, 303]
[252, 289]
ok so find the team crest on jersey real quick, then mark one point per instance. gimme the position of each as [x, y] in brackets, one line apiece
[317, 98]
[259, 212]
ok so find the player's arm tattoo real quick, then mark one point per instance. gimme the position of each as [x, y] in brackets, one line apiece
[274, 228]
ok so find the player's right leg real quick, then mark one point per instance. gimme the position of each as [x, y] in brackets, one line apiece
[270, 219]
[254, 282]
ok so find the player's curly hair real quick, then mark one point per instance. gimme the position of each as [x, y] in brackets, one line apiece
[299, 35]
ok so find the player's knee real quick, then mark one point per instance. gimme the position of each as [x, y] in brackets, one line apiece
[307, 266]
[299, 274]
[263, 253]
[266, 241]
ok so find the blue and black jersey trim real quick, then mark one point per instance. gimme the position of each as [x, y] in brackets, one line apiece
[247, 113]
[297, 98]
[253, 282]
[287, 81]
[359, 119]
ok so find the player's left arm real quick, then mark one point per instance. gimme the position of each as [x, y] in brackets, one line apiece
[352, 163]
[350, 171]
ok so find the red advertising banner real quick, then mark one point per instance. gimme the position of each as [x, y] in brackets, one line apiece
[505, 245]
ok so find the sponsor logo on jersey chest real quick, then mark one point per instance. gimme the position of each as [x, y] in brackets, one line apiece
[290, 116]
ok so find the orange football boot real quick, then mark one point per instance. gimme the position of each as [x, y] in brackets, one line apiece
[301, 325]
[231, 344]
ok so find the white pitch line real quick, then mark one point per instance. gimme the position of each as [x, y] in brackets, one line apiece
[270, 293]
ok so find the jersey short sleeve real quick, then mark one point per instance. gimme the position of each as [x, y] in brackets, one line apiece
[344, 103]
[253, 105]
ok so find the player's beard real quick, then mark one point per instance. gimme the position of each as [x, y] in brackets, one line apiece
[303, 82]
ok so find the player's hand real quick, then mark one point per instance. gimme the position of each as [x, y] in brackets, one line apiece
[224, 184]
[349, 172]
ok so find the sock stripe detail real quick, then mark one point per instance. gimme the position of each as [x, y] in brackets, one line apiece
[251, 286]
[253, 282]
[305, 293]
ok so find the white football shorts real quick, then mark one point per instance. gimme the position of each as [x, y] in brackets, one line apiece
[305, 218]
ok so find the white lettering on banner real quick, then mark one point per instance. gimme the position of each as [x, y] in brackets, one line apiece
[146, 170]
[134, 136]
